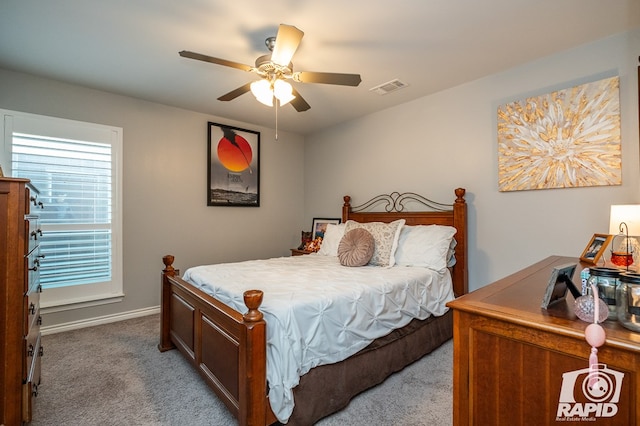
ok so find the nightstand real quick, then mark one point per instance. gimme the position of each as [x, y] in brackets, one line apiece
[516, 363]
[297, 252]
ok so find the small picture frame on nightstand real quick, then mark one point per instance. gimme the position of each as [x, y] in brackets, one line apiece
[559, 283]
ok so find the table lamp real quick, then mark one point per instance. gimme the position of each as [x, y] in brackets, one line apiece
[624, 225]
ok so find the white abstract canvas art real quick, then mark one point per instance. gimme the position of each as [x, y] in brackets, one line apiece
[564, 139]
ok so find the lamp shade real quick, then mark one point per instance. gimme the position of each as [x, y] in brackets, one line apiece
[264, 91]
[261, 89]
[283, 91]
[627, 213]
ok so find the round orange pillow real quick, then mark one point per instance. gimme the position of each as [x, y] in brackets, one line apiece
[356, 247]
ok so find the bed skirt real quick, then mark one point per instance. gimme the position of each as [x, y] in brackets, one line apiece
[329, 388]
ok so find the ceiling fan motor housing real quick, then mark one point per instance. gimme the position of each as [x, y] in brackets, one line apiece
[265, 67]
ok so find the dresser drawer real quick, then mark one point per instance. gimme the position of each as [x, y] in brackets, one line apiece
[32, 269]
[32, 199]
[34, 232]
[32, 311]
[30, 387]
[31, 351]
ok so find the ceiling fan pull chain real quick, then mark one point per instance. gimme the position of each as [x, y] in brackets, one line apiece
[277, 101]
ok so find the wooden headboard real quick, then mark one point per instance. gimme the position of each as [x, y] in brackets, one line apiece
[394, 205]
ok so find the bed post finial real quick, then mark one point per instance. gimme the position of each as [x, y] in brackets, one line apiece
[168, 265]
[460, 195]
[253, 299]
[346, 208]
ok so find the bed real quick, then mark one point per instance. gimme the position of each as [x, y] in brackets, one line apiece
[228, 346]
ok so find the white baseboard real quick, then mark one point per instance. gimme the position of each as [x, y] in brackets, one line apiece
[75, 325]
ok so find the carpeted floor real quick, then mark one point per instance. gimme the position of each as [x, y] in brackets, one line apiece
[114, 375]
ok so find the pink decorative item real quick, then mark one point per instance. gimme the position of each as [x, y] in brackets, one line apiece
[595, 336]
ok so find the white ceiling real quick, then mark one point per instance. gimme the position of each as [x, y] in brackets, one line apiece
[131, 46]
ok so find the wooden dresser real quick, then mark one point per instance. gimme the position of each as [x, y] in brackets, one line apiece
[20, 289]
[518, 364]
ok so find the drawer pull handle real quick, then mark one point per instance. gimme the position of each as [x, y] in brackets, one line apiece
[41, 351]
[37, 203]
[39, 288]
[39, 320]
[34, 390]
[32, 309]
[35, 265]
[30, 351]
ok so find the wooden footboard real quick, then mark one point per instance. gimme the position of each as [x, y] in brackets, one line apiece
[227, 348]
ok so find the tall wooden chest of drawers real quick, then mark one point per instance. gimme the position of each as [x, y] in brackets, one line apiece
[20, 349]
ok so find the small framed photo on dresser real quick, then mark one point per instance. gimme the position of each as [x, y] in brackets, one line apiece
[559, 284]
[594, 250]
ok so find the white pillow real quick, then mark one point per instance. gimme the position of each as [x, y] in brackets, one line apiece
[331, 240]
[385, 236]
[429, 246]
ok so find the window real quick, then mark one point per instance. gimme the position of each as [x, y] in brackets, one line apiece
[75, 166]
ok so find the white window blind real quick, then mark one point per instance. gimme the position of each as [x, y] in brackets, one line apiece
[76, 167]
[74, 179]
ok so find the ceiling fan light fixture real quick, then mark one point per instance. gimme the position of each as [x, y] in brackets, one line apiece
[264, 92]
[283, 91]
[261, 89]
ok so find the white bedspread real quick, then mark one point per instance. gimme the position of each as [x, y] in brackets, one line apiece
[319, 312]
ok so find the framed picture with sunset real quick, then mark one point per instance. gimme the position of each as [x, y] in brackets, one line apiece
[233, 177]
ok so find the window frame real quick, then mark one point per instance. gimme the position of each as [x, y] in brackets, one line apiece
[83, 295]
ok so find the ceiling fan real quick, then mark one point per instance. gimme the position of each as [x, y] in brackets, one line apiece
[274, 69]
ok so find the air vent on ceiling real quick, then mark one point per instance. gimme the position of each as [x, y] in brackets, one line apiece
[388, 87]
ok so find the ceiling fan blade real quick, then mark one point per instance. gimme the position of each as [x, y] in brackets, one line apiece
[205, 58]
[287, 42]
[298, 102]
[327, 78]
[235, 93]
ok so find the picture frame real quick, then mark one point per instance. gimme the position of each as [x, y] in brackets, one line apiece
[559, 283]
[594, 250]
[233, 166]
[319, 226]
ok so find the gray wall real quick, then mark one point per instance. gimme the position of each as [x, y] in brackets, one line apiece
[430, 146]
[449, 139]
[165, 178]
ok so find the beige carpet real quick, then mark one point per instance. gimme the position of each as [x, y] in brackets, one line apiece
[114, 375]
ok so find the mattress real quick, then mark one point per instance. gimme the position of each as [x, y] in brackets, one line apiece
[320, 312]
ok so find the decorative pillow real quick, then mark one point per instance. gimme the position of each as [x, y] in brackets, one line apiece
[356, 247]
[332, 237]
[385, 236]
[429, 246]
